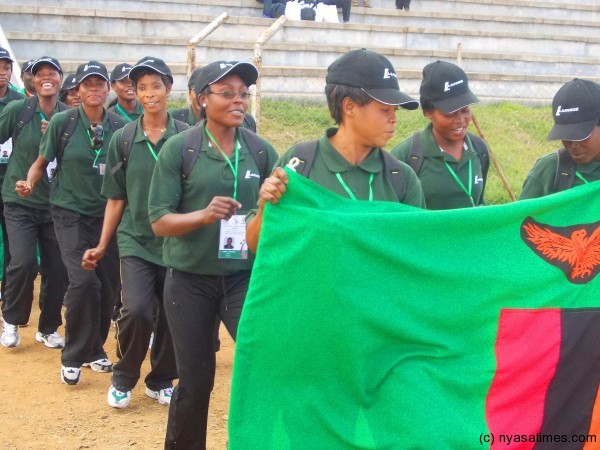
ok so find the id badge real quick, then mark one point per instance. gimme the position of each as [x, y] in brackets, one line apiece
[5, 151]
[50, 169]
[232, 238]
[101, 168]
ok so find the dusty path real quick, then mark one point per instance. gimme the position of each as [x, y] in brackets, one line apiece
[38, 411]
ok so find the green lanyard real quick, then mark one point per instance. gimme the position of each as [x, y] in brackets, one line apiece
[234, 170]
[350, 193]
[469, 191]
[97, 152]
[150, 147]
[578, 175]
[124, 113]
[42, 116]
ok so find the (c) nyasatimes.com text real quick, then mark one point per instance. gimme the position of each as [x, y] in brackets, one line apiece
[508, 439]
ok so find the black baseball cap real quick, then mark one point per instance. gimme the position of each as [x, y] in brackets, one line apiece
[371, 72]
[193, 78]
[120, 71]
[4, 54]
[91, 68]
[446, 86]
[576, 110]
[26, 66]
[213, 72]
[45, 60]
[152, 63]
[69, 82]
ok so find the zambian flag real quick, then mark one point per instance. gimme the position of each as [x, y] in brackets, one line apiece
[374, 325]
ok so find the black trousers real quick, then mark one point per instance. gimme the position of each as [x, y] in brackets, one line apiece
[5, 248]
[192, 303]
[142, 313]
[92, 294]
[27, 228]
[346, 5]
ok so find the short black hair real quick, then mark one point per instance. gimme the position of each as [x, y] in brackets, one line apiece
[426, 105]
[336, 93]
[206, 90]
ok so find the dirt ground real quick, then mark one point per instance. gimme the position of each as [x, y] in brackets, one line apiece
[38, 411]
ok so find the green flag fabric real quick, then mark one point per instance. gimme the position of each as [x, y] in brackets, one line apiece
[374, 325]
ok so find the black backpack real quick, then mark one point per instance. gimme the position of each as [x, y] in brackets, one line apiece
[192, 144]
[27, 114]
[127, 137]
[305, 152]
[69, 128]
[565, 171]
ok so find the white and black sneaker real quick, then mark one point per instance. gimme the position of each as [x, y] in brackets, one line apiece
[162, 396]
[70, 375]
[100, 365]
[52, 340]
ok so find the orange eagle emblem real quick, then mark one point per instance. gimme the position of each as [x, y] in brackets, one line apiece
[574, 249]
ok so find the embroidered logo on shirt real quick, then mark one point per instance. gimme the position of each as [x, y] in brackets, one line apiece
[251, 175]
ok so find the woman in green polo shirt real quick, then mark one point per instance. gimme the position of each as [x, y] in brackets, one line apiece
[363, 98]
[142, 269]
[126, 103]
[77, 209]
[451, 171]
[197, 213]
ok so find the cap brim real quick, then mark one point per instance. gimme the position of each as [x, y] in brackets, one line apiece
[392, 97]
[572, 131]
[449, 105]
[37, 64]
[86, 75]
[7, 58]
[246, 71]
[137, 68]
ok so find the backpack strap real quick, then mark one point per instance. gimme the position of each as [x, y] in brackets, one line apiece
[482, 152]
[415, 154]
[192, 143]
[26, 115]
[258, 152]
[180, 125]
[67, 132]
[305, 152]
[249, 122]
[393, 172]
[114, 120]
[125, 145]
[565, 171]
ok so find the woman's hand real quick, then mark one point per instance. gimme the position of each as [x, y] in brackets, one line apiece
[273, 188]
[23, 188]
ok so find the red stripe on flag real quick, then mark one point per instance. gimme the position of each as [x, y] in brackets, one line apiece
[527, 352]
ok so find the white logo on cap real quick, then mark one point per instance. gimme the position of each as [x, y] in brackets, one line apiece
[224, 65]
[448, 85]
[125, 69]
[388, 74]
[561, 110]
[90, 66]
[149, 60]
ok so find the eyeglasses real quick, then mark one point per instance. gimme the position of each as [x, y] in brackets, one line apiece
[97, 136]
[230, 95]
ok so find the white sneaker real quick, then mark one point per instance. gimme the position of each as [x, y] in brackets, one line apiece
[52, 340]
[70, 375]
[118, 399]
[163, 396]
[100, 365]
[10, 335]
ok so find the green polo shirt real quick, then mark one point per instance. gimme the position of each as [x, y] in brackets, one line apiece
[441, 190]
[540, 179]
[132, 183]
[184, 115]
[328, 162]
[77, 186]
[11, 95]
[197, 251]
[25, 152]
[117, 109]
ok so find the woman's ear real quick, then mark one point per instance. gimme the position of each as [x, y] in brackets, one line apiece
[348, 106]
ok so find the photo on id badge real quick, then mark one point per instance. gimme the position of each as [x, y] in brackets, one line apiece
[5, 151]
[232, 238]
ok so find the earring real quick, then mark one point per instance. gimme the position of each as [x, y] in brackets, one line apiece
[204, 105]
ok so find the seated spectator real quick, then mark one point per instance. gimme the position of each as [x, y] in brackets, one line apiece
[273, 8]
[346, 5]
[403, 4]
